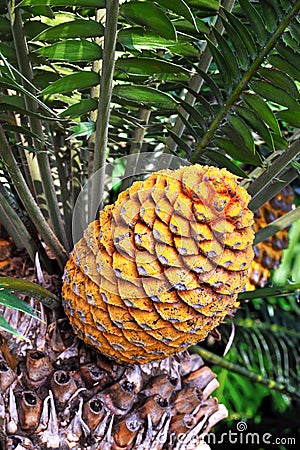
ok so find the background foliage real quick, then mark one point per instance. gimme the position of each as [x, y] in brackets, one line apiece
[89, 81]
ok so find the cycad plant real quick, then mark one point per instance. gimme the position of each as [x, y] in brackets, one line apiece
[134, 87]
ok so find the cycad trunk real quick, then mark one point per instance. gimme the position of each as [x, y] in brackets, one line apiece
[57, 393]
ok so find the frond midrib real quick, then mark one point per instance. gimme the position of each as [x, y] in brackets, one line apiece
[269, 45]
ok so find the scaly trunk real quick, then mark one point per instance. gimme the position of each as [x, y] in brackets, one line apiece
[57, 393]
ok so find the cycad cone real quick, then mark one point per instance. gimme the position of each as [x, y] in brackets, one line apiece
[162, 266]
[267, 254]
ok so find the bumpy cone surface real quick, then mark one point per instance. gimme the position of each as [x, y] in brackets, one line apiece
[4, 253]
[267, 254]
[162, 266]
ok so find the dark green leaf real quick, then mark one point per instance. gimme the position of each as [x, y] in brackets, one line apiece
[126, 118]
[221, 63]
[289, 40]
[280, 79]
[194, 113]
[274, 94]
[80, 80]
[143, 79]
[5, 83]
[72, 51]
[186, 27]
[28, 288]
[8, 51]
[291, 117]
[184, 49]
[11, 301]
[79, 109]
[83, 129]
[4, 25]
[255, 20]
[286, 4]
[137, 38]
[241, 127]
[73, 29]
[212, 85]
[16, 103]
[238, 153]
[243, 33]
[33, 150]
[257, 124]
[295, 30]
[12, 100]
[262, 110]
[42, 10]
[149, 16]
[201, 99]
[148, 66]
[286, 66]
[22, 130]
[145, 95]
[44, 77]
[280, 142]
[181, 8]
[182, 145]
[270, 14]
[274, 291]
[262, 188]
[237, 43]
[189, 128]
[291, 56]
[5, 326]
[230, 58]
[266, 345]
[79, 3]
[33, 27]
[224, 161]
[211, 5]
[236, 138]
[13, 84]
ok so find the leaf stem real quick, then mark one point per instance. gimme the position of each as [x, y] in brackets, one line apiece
[278, 224]
[258, 187]
[136, 145]
[14, 224]
[270, 327]
[106, 84]
[243, 82]
[36, 125]
[196, 82]
[21, 228]
[31, 206]
[274, 291]
[228, 365]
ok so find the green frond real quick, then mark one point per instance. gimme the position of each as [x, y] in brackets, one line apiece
[265, 346]
[270, 65]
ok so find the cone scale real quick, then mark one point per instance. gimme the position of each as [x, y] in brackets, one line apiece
[162, 266]
[267, 254]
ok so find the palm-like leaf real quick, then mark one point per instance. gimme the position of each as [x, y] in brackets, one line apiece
[266, 343]
[254, 60]
[243, 107]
